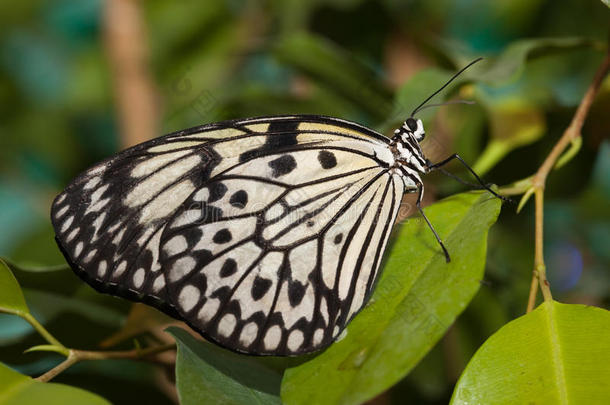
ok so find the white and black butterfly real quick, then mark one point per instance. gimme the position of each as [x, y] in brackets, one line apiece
[263, 234]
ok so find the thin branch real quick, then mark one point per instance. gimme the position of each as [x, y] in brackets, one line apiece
[574, 129]
[539, 266]
[61, 367]
[124, 354]
[76, 356]
[538, 181]
[531, 301]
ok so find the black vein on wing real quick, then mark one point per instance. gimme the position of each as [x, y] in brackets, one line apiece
[346, 245]
[347, 303]
[382, 241]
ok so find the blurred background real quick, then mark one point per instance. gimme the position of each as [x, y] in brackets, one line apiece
[82, 79]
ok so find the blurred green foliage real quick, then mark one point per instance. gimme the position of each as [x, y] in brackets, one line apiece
[352, 59]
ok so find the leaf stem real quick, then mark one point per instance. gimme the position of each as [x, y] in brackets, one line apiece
[539, 266]
[44, 332]
[531, 301]
[74, 356]
[516, 188]
[538, 181]
[124, 354]
[64, 365]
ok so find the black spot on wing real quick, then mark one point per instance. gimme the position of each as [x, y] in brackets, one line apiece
[260, 286]
[286, 131]
[239, 199]
[228, 268]
[282, 165]
[338, 238]
[222, 236]
[217, 191]
[327, 159]
[202, 257]
[192, 236]
[296, 291]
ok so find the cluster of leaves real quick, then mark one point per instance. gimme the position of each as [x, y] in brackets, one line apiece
[58, 119]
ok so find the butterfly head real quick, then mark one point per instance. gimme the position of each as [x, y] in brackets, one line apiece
[411, 130]
[415, 127]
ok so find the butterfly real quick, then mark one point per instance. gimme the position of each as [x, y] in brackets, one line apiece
[264, 234]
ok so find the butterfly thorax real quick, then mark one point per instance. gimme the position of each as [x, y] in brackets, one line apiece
[408, 155]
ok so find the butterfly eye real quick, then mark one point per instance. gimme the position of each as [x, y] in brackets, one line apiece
[412, 124]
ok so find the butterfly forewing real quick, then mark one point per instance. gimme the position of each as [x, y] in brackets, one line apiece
[265, 234]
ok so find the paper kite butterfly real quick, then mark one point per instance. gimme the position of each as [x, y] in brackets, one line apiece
[265, 234]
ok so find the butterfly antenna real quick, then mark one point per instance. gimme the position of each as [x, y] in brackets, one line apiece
[445, 85]
[469, 102]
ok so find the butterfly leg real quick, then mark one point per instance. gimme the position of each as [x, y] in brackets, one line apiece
[420, 188]
[476, 176]
[458, 179]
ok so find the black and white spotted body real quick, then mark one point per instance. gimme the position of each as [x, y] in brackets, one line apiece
[265, 234]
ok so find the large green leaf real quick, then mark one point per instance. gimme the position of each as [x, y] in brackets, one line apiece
[557, 354]
[416, 300]
[18, 389]
[205, 375]
[11, 297]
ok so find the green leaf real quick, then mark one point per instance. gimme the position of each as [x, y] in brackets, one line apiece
[606, 2]
[49, 306]
[207, 375]
[512, 59]
[17, 389]
[416, 300]
[557, 354]
[42, 236]
[59, 279]
[54, 290]
[45, 348]
[11, 297]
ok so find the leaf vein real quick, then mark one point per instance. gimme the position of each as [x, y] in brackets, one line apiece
[558, 368]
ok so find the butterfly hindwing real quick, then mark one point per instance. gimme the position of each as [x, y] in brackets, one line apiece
[109, 220]
[264, 234]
